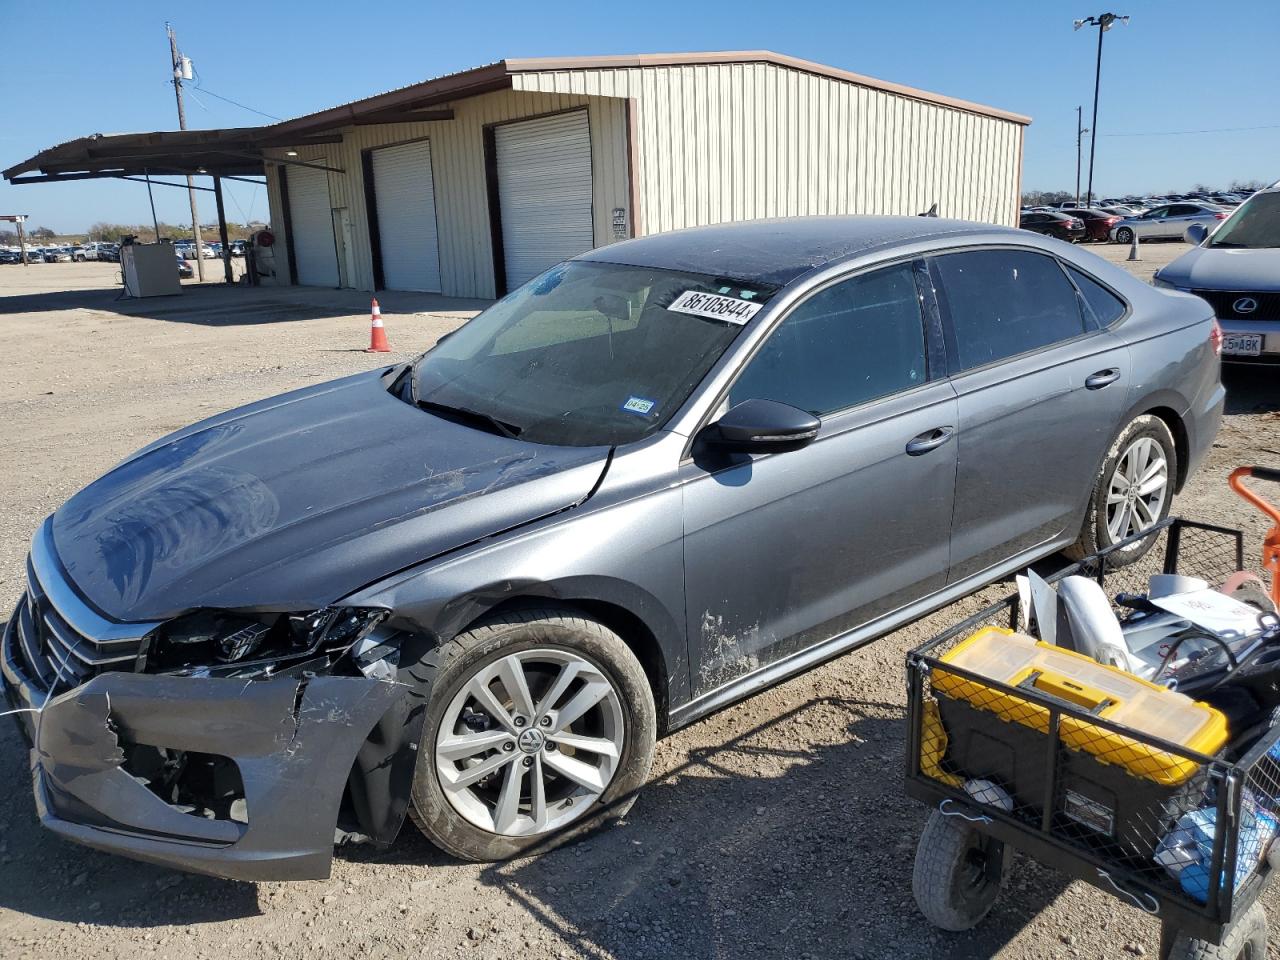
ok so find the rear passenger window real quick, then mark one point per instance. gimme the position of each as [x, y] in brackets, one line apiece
[1006, 302]
[1105, 306]
[853, 342]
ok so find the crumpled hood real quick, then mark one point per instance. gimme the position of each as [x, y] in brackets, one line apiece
[1213, 268]
[293, 502]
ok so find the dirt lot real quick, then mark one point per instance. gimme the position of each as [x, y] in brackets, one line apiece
[775, 828]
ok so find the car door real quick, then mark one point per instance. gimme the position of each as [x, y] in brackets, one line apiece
[785, 550]
[1150, 225]
[1041, 389]
[1177, 219]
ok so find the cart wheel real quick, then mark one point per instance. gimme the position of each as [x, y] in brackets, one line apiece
[1246, 939]
[958, 873]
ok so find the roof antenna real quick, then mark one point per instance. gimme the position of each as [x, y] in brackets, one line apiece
[931, 212]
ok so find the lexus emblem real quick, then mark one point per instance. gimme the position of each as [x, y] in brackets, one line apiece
[1245, 305]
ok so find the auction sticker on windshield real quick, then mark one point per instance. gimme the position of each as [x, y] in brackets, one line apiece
[715, 306]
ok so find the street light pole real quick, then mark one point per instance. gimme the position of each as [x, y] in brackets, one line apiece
[1104, 22]
[1080, 132]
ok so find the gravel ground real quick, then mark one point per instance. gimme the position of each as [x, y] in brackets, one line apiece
[776, 828]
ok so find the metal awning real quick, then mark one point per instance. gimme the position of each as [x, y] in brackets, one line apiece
[235, 152]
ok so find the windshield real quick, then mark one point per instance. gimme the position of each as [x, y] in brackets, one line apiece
[588, 353]
[1254, 226]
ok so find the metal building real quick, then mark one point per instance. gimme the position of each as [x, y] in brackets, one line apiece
[470, 184]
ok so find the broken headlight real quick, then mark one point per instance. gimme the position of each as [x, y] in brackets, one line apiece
[219, 640]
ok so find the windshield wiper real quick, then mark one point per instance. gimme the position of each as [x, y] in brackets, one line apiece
[474, 417]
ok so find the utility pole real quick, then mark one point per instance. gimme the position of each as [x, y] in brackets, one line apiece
[1104, 22]
[1080, 132]
[178, 76]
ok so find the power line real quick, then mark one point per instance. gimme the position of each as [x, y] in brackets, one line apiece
[1179, 133]
[235, 103]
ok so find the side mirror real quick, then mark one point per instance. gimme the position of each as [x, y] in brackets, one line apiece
[762, 426]
[1195, 234]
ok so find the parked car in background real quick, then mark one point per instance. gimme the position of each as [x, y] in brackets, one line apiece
[57, 254]
[1097, 223]
[482, 582]
[10, 256]
[238, 247]
[1167, 222]
[1237, 269]
[185, 270]
[1054, 223]
[93, 251]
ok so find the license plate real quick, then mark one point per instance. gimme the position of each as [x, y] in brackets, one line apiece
[1242, 345]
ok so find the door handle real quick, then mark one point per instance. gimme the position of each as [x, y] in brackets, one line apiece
[929, 440]
[1102, 378]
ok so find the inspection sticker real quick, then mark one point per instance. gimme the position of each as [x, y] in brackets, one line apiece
[638, 405]
[715, 306]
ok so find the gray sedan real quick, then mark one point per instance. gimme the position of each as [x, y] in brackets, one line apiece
[1237, 269]
[1168, 222]
[654, 480]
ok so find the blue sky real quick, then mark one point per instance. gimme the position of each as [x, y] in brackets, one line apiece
[98, 66]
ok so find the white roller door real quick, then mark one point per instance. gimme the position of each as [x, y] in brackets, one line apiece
[406, 203]
[311, 220]
[544, 192]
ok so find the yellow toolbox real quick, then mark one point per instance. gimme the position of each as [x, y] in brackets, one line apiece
[1109, 784]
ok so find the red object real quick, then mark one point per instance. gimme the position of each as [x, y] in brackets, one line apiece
[1215, 338]
[264, 238]
[1271, 542]
[377, 334]
[1220, 216]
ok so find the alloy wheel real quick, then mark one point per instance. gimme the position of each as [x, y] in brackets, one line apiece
[1137, 489]
[530, 742]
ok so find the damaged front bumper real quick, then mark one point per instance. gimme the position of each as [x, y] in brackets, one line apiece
[293, 741]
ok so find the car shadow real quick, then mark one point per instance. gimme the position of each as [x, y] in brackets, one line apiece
[809, 854]
[1250, 388]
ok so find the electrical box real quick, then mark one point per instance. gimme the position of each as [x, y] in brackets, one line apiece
[149, 270]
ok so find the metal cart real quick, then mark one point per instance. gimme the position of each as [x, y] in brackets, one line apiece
[1034, 805]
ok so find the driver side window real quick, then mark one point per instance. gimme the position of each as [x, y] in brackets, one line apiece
[856, 341]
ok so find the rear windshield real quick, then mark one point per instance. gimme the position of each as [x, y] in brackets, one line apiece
[1254, 226]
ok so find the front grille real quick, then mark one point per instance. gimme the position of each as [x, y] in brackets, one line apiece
[53, 653]
[1224, 304]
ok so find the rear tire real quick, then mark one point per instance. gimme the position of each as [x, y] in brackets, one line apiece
[1124, 235]
[954, 880]
[1245, 940]
[535, 648]
[1145, 446]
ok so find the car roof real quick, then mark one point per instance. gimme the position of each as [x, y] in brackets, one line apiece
[778, 251]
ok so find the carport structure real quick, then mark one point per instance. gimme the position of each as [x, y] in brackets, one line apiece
[232, 154]
[471, 183]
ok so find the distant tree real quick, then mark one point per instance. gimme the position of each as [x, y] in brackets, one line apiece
[43, 233]
[8, 236]
[1038, 198]
[1248, 186]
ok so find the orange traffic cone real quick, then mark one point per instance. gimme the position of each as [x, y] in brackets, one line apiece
[378, 335]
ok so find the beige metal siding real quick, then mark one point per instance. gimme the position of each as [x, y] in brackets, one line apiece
[743, 140]
[457, 152]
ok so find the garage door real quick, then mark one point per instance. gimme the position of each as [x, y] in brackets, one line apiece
[406, 205]
[544, 192]
[311, 220]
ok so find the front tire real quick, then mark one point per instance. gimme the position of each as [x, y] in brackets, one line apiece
[1133, 491]
[1124, 235]
[540, 727]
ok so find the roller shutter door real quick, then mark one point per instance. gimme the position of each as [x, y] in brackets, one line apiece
[544, 192]
[311, 219]
[406, 204]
